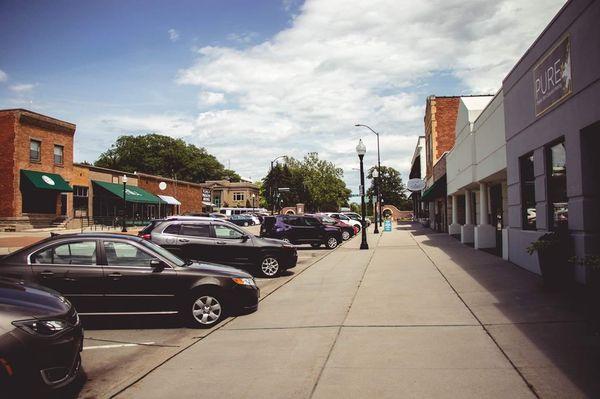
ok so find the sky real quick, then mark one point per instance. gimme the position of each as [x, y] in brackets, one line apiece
[253, 80]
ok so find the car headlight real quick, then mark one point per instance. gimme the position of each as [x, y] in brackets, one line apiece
[244, 281]
[42, 327]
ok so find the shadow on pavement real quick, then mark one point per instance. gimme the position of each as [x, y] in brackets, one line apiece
[547, 335]
[133, 322]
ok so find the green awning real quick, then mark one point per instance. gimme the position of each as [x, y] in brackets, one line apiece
[132, 193]
[46, 181]
[437, 189]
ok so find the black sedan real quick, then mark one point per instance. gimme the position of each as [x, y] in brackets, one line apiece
[116, 274]
[40, 339]
[242, 220]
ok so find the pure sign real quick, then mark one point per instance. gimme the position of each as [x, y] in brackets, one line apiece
[552, 77]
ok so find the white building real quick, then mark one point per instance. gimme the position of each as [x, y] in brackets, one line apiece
[476, 173]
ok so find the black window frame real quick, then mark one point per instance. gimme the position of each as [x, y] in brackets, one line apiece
[39, 151]
[525, 186]
[550, 178]
[53, 246]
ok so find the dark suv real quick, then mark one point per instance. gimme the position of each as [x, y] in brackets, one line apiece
[301, 230]
[219, 241]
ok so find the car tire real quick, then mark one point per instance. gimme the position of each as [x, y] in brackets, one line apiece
[315, 244]
[245, 224]
[269, 267]
[345, 235]
[332, 242]
[204, 309]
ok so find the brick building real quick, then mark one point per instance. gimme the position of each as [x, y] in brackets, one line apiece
[179, 197]
[36, 162]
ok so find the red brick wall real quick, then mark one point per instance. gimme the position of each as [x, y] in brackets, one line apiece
[7, 182]
[445, 116]
[190, 195]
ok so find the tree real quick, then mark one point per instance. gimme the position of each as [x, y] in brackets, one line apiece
[162, 155]
[312, 181]
[391, 188]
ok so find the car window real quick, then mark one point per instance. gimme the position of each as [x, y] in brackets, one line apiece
[172, 229]
[73, 253]
[124, 254]
[226, 232]
[311, 222]
[195, 230]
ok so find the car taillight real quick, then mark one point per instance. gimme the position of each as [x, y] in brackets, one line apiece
[355, 230]
[146, 236]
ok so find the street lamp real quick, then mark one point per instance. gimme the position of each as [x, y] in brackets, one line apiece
[253, 197]
[375, 176]
[378, 165]
[361, 150]
[124, 229]
[273, 194]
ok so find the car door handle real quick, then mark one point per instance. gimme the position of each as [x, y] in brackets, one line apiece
[184, 240]
[221, 242]
[115, 276]
[70, 279]
[46, 273]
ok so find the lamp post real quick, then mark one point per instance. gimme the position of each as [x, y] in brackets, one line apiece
[274, 193]
[376, 202]
[124, 229]
[253, 197]
[361, 150]
[378, 166]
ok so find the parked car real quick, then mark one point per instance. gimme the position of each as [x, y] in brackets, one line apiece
[344, 218]
[242, 220]
[222, 242]
[117, 274]
[255, 218]
[40, 339]
[348, 231]
[301, 230]
[357, 217]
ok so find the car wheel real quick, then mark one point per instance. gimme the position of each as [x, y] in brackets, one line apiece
[315, 244]
[205, 309]
[245, 224]
[332, 242]
[269, 267]
[345, 235]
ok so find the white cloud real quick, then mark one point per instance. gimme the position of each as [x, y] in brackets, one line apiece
[173, 35]
[244, 38]
[372, 62]
[22, 87]
[208, 98]
[3, 76]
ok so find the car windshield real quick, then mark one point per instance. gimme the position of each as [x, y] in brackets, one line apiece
[328, 220]
[164, 253]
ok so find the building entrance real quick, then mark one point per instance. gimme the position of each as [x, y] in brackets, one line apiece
[496, 215]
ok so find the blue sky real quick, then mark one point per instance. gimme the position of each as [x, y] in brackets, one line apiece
[251, 80]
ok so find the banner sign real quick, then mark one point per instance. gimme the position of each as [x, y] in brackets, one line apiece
[552, 79]
[415, 184]
[387, 225]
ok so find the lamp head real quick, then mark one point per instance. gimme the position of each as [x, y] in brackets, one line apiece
[124, 178]
[375, 173]
[360, 148]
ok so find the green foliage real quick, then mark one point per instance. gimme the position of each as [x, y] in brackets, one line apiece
[391, 188]
[354, 207]
[545, 242]
[165, 156]
[312, 181]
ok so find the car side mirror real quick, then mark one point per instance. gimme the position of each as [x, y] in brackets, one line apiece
[157, 265]
[245, 238]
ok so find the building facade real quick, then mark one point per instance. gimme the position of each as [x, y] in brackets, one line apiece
[226, 194]
[417, 171]
[36, 160]
[440, 122]
[552, 114]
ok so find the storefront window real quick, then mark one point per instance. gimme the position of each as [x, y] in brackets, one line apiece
[58, 154]
[35, 151]
[238, 196]
[528, 212]
[557, 185]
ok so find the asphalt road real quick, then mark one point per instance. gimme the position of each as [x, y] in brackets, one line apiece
[119, 350]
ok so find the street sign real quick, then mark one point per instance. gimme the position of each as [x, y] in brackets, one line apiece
[387, 225]
[361, 190]
[283, 189]
[415, 184]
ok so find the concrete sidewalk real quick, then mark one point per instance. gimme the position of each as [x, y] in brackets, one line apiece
[417, 315]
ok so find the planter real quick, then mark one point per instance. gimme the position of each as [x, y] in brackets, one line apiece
[554, 266]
